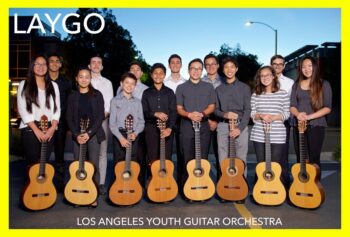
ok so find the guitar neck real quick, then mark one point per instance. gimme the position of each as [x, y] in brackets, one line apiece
[162, 153]
[43, 154]
[232, 151]
[128, 154]
[82, 156]
[303, 153]
[267, 151]
[197, 145]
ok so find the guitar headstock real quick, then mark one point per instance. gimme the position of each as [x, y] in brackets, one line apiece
[232, 124]
[266, 126]
[129, 121]
[161, 124]
[84, 124]
[44, 123]
[196, 126]
[302, 126]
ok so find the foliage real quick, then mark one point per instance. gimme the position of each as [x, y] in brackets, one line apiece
[248, 63]
[114, 44]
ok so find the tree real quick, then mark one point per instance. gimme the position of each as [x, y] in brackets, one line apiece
[248, 63]
[114, 44]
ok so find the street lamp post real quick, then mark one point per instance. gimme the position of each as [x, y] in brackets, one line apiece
[248, 23]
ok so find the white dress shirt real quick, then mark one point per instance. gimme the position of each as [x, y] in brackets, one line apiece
[286, 84]
[37, 112]
[173, 84]
[105, 87]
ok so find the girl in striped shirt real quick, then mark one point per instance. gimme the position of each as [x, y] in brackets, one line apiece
[269, 105]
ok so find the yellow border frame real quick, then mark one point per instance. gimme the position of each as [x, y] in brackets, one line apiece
[4, 172]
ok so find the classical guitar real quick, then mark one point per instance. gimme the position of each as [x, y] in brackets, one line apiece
[126, 189]
[198, 186]
[269, 189]
[232, 185]
[306, 190]
[81, 189]
[162, 187]
[40, 193]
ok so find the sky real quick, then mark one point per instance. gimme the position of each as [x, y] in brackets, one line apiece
[193, 33]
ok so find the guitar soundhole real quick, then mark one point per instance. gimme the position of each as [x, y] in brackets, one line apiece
[269, 175]
[198, 172]
[232, 171]
[126, 175]
[41, 178]
[81, 174]
[303, 177]
[162, 172]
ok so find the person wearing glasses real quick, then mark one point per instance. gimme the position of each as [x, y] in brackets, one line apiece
[195, 102]
[278, 64]
[211, 63]
[270, 104]
[37, 96]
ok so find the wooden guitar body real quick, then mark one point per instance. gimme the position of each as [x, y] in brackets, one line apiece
[162, 187]
[80, 189]
[199, 186]
[40, 193]
[269, 189]
[232, 185]
[306, 191]
[126, 189]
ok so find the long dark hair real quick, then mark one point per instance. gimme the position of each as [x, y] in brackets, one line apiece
[30, 89]
[259, 87]
[91, 88]
[316, 83]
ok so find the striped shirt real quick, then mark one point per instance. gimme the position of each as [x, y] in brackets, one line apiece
[270, 103]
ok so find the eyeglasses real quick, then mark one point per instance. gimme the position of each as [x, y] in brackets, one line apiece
[210, 64]
[196, 69]
[278, 64]
[40, 64]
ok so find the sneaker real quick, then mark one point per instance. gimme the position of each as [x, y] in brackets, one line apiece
[102, 190]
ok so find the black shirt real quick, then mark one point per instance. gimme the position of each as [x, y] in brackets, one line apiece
[163, 100]
[65, 88]
[84, 109]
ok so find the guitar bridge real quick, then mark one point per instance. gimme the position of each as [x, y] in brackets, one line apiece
[40, 194]
[163, 189]
[304, 194]
[199, 187]
[269, 192]
[80, 191]
[126, 191]
[231, 187]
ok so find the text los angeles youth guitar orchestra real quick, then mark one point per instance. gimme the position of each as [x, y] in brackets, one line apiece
[144, 121]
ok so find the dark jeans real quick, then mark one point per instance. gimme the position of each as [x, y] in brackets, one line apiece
[93, 152]
[59, 144]
[314, 137]
[188, 143]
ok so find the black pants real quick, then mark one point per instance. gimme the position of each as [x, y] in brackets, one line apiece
[152, 134]
[188, 141]
[59, 144]
[214, 145]
[284, 157]
[314, 137]
[32, 146]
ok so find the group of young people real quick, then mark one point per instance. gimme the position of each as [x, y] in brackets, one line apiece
[212, 100]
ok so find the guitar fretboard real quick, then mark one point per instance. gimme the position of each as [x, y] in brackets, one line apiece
[267, 151]
[197, 146]
[304, 157]
[43, 155]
